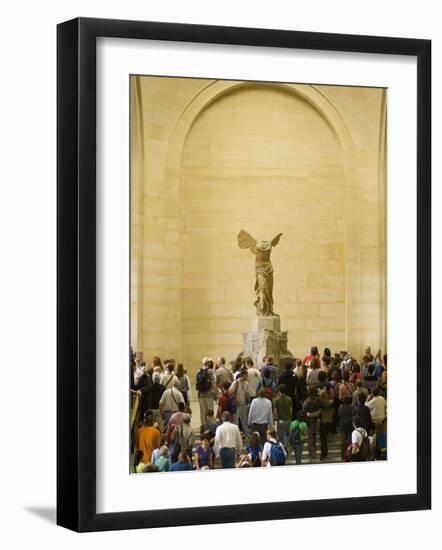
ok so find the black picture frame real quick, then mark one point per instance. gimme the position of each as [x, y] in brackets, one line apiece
[76, 273]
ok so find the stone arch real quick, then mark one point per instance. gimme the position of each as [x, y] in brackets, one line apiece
[318, 100]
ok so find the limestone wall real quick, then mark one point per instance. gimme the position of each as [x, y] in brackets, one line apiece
[212, 157]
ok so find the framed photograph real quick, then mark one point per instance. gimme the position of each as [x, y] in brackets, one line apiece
[243, 254]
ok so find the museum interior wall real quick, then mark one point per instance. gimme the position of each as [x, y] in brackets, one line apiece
[210, 158]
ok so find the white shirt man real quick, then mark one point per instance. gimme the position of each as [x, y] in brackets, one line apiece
[254, 376]
[377, 407]
[227, 436]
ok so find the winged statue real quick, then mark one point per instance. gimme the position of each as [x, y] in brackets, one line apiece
[263, 271]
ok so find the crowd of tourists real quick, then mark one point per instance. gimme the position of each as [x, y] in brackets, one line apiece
[257, 416]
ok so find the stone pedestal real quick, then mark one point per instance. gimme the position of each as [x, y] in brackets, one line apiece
[266, 339]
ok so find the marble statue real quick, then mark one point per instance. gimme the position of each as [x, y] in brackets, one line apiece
[263, 269]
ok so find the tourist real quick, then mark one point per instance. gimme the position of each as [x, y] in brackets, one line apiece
[272, 368]
[183, 382]
[346, 388]
[254, 450]
[298, 433]
[267, 384]
[313, 353]
[169, 403]
[222, 373]
[359, 389]
[313, 372]
[208, 429]
[300, 371]
[182, 438]
[157, 365]
[312, 409]
[283, 415]
[370, 377]
[377, 405]
[206, 387]
[380, 441]
[150, 468]
[345, 415]
[241, 390]
[226, 401]
[356, 375]
[361, 445]
[253, 378]
[147, 438]
[169, 379]
[204, 455]
[261, 415]
[290, 382]
[182, 464]
[163, 461]
[151, 394]
[326, 418]
[228, 441]
[175, 419]
[273, 452]
[363, 413]
[138, 466]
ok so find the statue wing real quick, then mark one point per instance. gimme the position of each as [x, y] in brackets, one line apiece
[275, 241]
[246, 241]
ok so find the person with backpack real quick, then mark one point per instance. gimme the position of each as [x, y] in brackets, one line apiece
[313, 410]
[267, 384]
[205, 385]
[226, 401]
[283, 415]
[297, 435]
[182, 439]
[273, 453]
[361, 444]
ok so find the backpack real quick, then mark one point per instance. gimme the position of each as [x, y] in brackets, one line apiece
[277, 456]
[295, 436]
[365, 449]
[228, 403]
[268, 390]
[203, 380]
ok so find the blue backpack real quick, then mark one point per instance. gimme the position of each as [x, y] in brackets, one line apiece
[277, 455]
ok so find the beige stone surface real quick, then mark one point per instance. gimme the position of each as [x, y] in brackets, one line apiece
[211, 157]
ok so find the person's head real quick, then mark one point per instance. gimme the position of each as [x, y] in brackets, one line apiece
[150, 468]
[288, 366]
[300, 416]
[243, 375]
[269, 360]
[149, 370]
[282, 388]
[375, 392]
[209, 363]
[139, 356]
[326, 361]
[156, 361]
[346, 376]
[186, 419]
[182, 457]
[249, 363]
[327, 352]
[356, 422]
[209, 416]
[347, 400]
[359, 384]
[170, 367]
[254, 440]
[335, 376]
[221, 361]
[362, 398]
[356, 368]
[225, 385]
[314, 351]
[156, 377]
[266, 373]
[322, 377]
[205, 442]
[262, 393]
[371, 369]
[226, 416]
[164, 451]
[298, 362]
[271, 433]
[368, 350]
[148, 418]
[315, 363]
[181, 406]
[138, 455]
